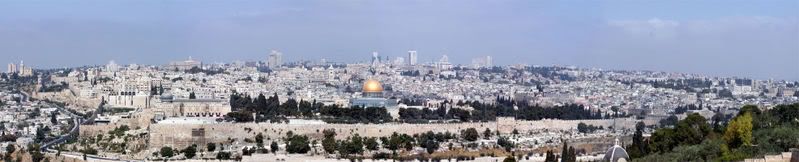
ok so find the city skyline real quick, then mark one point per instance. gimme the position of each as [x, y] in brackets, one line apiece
[718, 38]
[410, 80]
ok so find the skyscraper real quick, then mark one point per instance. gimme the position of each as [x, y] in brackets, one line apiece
[275, 59]
[112, 66]
[375, 58]
[489, 61]
[412, 57]
[443, 63]
[12, 68]
[21, 66]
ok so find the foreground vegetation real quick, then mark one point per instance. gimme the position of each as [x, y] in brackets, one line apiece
[751, 133]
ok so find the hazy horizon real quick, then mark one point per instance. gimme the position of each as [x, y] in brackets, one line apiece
[755, 39]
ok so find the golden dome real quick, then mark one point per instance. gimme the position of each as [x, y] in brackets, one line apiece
[372, 85]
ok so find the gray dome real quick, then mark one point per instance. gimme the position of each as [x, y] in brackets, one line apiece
[616, 153]
[167, 98]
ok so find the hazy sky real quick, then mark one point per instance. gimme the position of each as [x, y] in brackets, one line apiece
[757, 39]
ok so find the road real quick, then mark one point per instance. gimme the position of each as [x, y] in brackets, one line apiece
[77, 120]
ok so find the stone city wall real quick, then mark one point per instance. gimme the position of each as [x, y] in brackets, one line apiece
[182, 135]
[140, 120]
[94, 130]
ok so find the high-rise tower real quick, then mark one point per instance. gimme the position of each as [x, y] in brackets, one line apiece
[275, 59]
[412, 57]
[489, 61]
[375, 58]
[12, 68]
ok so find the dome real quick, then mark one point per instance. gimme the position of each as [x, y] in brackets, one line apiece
[616, 153]
[372, 86]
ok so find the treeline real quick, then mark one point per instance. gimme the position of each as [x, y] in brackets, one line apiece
[587, 128]
[270, 109]
[355, 145]
[480, 113]
[751, 133]
[195, 70]
[355, 114]
[489, 112]
[54, 87]
[565, 112]
[505, 108]
[412, 73]
[414, 115]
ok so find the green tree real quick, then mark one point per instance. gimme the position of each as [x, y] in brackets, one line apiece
[430, 145]
[274, 148]
[785, 113]
[10, 148]
[353, 145]
[298, 144]
[669, 121]
[487, 134]
[371, 143]
[692, 130]
[663, 140]
[749, 109]
[329, 145]
[550, 157]
[259, 139]
[565, 152]
[639, 148]
[210, 147]
[190, 151]
[167, 152]
[739, 131]
[223, 155]
[470, 134]
[36, 156]
[393, 142]
[509, 159]
[779, 139]
[329, 142]
[505, 143]
[53, 118]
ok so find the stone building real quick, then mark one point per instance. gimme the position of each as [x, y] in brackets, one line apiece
[193, 107]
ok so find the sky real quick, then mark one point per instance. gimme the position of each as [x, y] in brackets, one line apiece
[756, 39]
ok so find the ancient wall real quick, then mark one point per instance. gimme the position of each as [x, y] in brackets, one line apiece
[93, 130]
[506, 125]
[139, 120]
[181, 135]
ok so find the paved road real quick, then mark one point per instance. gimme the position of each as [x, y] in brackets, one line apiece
[73, 133]
[77, 120]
